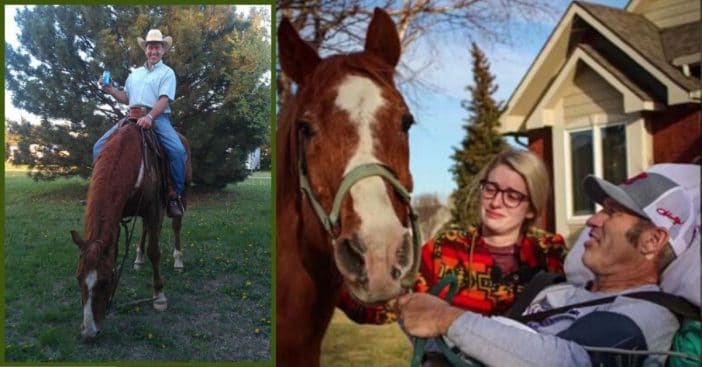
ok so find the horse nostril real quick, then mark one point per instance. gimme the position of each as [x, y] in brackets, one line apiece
[395, 273]
[350, 253]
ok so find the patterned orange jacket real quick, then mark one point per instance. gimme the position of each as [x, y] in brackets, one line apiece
[483, 288]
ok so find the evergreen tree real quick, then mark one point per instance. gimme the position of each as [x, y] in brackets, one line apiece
[222, 66]
[482, 140]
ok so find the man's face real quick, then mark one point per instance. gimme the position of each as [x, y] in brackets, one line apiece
[154, 52]
[608, 250]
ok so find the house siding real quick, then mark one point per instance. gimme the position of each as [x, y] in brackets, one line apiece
[677, 134]
[669, 13]
[590, 94]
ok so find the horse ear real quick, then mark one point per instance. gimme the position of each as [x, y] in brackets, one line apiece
[382, 39]
[77, 240]
[297, 58]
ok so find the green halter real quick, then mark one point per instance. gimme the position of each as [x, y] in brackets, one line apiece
[331, 221]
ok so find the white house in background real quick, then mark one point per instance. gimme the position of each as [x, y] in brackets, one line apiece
[612, 92]
[253, 160]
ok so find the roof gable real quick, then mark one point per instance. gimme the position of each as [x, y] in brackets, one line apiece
[631, 34]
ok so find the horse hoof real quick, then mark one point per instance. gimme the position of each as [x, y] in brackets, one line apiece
[160, 306]
[161, 303]
[138, 266]
[178, 269]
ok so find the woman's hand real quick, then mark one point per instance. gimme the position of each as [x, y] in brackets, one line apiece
[424, 315]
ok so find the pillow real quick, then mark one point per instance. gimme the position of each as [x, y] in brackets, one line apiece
[682, 277]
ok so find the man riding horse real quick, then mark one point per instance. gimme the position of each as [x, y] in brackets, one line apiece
[148, 91]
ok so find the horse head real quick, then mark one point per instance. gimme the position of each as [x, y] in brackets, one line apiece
[347, 144]
[96, 281]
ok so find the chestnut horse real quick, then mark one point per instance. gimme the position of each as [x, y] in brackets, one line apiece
[127, 180]
[344, 131]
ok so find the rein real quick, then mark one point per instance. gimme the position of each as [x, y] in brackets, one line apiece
[331, 221]
[128, 232]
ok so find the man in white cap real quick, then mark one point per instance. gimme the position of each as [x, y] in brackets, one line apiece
[643, 224]
[148, 91]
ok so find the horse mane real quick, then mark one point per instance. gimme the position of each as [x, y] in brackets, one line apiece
[91, 255]
[113, 179]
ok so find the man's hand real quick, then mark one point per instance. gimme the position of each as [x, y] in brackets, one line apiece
[105, 87]
[424, 315]
[145, 122]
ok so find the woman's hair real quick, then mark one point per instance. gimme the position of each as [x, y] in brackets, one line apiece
[532, 169]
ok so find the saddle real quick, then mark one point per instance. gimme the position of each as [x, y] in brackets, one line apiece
[151, 145]
[137, 112]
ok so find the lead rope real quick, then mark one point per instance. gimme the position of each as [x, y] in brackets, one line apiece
[127, 239]
[420, 343]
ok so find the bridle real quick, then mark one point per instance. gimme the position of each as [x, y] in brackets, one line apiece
[330, 221]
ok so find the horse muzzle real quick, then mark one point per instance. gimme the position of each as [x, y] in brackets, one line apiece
[375, 269]
[89, 330]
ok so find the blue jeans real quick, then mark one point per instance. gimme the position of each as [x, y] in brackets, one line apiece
[171, 143]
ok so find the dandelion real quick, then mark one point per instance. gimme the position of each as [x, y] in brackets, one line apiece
[150, 336]
[257, 331]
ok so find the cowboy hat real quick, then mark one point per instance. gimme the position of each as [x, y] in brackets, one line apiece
[155, 35]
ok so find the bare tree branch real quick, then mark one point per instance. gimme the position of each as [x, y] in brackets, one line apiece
[336, 26]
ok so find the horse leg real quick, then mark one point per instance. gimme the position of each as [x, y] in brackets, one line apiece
[139, 260]
[154, 251]
[177, 253]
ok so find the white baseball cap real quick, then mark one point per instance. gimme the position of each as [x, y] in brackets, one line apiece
[655, 197]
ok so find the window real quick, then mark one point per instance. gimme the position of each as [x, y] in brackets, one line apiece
[614, 154]
[600, 151]
[581, 161]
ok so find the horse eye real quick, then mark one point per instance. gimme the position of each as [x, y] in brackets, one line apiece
[407, 122]
[305, 129]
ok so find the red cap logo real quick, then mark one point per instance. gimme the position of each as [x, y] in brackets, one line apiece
[667, 213]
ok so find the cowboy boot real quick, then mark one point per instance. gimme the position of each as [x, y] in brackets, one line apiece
[174, 205]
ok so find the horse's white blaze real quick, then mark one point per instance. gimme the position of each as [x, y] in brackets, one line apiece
[88, 320]
[361, 99]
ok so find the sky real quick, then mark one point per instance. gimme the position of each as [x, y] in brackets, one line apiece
[440, 116]
[438, 113]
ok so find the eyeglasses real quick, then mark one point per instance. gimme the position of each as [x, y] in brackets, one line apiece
[510, 198]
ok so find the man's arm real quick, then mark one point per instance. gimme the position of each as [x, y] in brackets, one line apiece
[157, 109]
[497, 344]
[120, 95]
[627, 324]
[159, 106]
[487, 340]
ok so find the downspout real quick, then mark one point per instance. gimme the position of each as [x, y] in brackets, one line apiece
[516, 136]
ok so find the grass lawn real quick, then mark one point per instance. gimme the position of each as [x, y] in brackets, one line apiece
[219, 308]
[348, 344]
